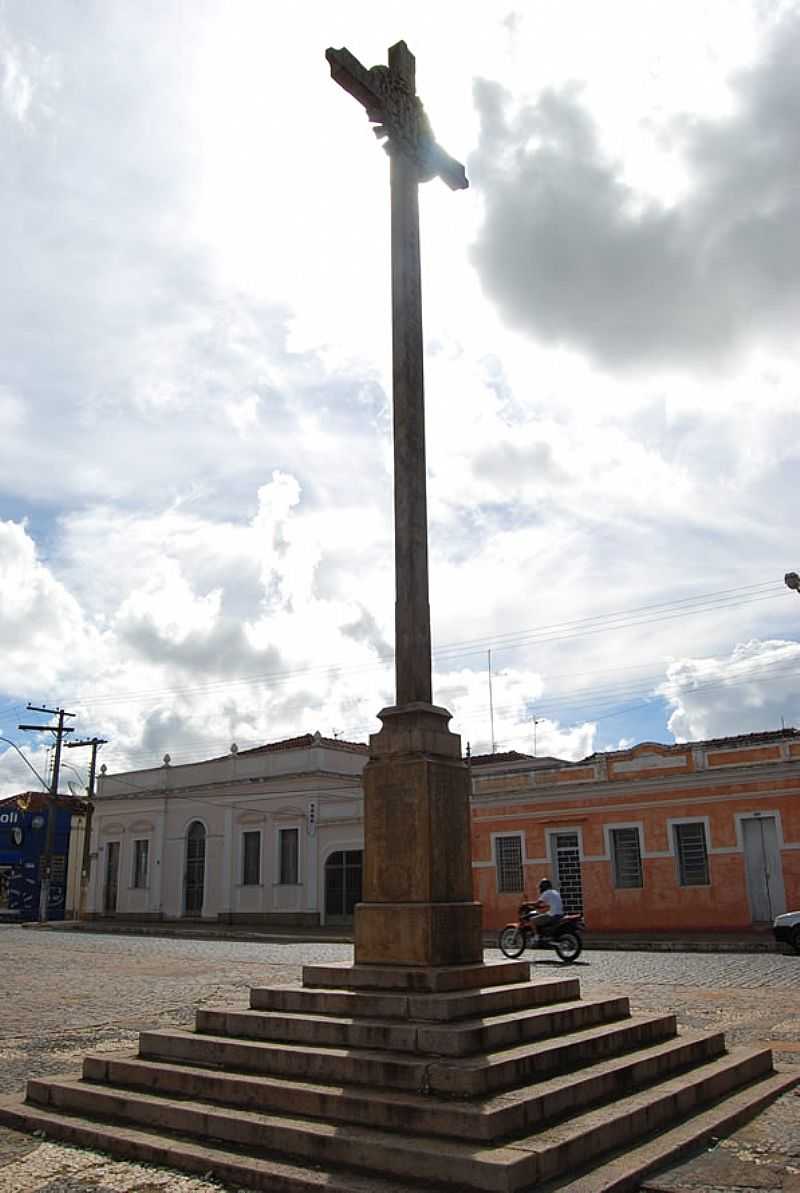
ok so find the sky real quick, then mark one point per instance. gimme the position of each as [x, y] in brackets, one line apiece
[195, 374]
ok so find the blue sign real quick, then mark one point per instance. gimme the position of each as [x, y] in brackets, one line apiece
[23, 835]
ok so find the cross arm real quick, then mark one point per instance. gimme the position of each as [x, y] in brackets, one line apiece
[388, 96]
[348, 72]
[448, 169]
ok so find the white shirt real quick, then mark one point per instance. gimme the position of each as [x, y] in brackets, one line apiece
[553, 901]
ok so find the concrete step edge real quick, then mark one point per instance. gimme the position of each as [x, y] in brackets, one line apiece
[624, 1170]
[432, 996]
[448, 1007]
[464, 1025]
[731, 1061]
[418, 980]
[621, 1124]
[137, 1143]
[290, 1047]
[500, 1169]
[487, 1118]
[312, 1142]
[619, 1037]
[418, 1037]
[695, 1044]
[230, 1167]
[507, 1068]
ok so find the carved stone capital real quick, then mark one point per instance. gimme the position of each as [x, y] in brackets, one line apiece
[401, 119]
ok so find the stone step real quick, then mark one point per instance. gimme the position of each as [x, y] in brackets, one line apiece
[228, 1166]
[509, 1068]
[444, 1007]
[454, 1077]
[330, 1145]
[411, 979]
[623, 1171]
[506, 1168]
[346, 1066]
[440, 1039]
[488, 1119]
[562, 1148]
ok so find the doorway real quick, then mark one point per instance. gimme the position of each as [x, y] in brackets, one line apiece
[112, 878]
[762, 861]
[195, 877]
[566, 853]
[342, 884]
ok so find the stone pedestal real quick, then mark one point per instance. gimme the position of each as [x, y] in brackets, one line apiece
[418, 907]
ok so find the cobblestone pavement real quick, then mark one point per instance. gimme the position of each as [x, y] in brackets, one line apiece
[65, 994]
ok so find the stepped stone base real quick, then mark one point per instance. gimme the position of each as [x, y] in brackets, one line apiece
[376, 1079]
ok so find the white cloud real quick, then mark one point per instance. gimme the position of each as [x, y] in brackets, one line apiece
[195, 430]
[508, 719]
[753, 688]
[41, 623]
[573, 254]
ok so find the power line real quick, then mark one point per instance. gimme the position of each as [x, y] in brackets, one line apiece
[721, 594]
[615, 702]
[601, 623]
[665, 610]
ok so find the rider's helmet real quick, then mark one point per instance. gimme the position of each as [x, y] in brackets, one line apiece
[545, 885]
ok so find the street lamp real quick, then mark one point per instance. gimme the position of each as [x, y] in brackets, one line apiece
[792, 580]
[9, 742]
[75, 771]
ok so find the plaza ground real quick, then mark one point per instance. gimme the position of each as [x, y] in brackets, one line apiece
[63, 995]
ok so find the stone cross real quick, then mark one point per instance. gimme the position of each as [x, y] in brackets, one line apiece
[389, 96]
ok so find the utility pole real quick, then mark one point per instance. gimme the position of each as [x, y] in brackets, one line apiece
[86, 862]
[491, 700]
[58, 732]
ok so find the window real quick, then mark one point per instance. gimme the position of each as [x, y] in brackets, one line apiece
[141, 850]
[251, 859]
[627, 856]
[288, 843]
[508, 855]
[690, 846]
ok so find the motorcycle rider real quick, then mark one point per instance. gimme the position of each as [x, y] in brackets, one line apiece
[549, 909]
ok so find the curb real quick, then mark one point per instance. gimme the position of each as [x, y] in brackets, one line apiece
[700, 944]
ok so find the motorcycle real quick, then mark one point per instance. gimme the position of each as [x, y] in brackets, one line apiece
[564, 936]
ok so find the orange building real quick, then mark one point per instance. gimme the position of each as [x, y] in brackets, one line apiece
[700, 836]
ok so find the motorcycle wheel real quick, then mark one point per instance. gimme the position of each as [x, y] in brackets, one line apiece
[511, 941]
[568, 946]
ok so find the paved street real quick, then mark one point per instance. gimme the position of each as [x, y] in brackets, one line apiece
[64, 994]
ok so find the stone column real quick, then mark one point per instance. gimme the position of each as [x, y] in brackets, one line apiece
[412, 609]
[418, 907]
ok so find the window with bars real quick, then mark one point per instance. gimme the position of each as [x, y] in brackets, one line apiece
[251, 858]
[288, 849]
[627, 855]
[690, 846]
[141, 850]
[508, 858]
[566, 853]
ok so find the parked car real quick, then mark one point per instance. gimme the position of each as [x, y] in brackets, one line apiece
[787, 929]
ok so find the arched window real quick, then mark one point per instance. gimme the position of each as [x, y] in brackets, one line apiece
[195, 874]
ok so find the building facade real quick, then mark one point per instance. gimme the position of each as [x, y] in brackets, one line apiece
[701, 836]
[269, 835]
[23, 836]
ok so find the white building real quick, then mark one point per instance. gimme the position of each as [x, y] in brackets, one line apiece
[268, 835]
